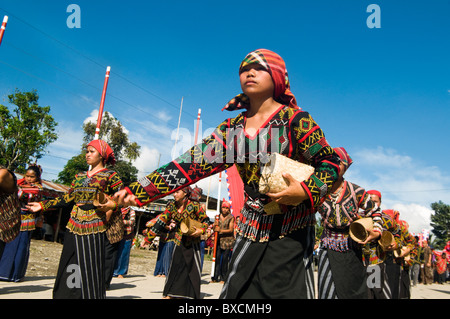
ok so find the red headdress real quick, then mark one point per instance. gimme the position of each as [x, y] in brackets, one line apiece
[374, 192]
[274, 64]
[404, 223]
[196, 194]
[105, 151]
[394, 214]
[225, 203]
[343, 155]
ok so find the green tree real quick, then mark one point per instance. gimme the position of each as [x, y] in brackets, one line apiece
[75, 165]
[440, 221]
[26, 131]
[114, 134]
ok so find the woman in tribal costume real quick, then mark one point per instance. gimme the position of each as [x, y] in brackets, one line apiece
[384, 272]
[14, 262]
[9, 208]
[225, 232]
[81, 271]
[341, 272]
[184, 277]
[397, 266]
[272, 256]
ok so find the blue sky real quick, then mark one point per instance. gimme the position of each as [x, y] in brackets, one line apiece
[382, 93]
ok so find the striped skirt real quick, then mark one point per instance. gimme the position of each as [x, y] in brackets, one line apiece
[81, 268]
[341, 275]
[281, 268]
[377, 281]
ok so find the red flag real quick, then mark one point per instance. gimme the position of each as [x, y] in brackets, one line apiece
[235, 190]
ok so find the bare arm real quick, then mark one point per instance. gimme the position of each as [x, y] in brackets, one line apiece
[7, 182]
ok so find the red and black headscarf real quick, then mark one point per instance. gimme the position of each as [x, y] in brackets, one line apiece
[193, 194]
[274, 64]
[105, 151]
[343, 156]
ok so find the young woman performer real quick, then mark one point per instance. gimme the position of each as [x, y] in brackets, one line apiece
[14, 262]
[342, 273]
[183, 279]
[225, 226]
[82, 264]
[272, 256]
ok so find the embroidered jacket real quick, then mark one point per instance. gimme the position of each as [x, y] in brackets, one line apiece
[129, 221]
[84, 218]
[157, 226]
[28, 193]
[289, 131]
[374, 254]
[337, 214]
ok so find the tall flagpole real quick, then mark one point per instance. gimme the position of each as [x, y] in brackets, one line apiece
[178, 128]
[216, 233]
[197, 126]
[102, 104]
[3, 27]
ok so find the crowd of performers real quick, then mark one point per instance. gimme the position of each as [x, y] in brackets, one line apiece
[271, 254]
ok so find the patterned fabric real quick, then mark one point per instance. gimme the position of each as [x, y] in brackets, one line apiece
[288, 131]
[226, 241]
[340, 210]
[192, 209]
[276, 67]
[28, 193]
[105, 151]
[9, 214]
[84, 218]
[343, 155]
[374, 254]
[129, 221]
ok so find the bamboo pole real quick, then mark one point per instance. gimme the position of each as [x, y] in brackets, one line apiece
[216, 235]
[197, 126]
[102, 104]
[3, 27]
[178, 129]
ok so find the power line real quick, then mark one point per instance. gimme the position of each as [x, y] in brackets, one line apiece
[418, 191]
[95, 62]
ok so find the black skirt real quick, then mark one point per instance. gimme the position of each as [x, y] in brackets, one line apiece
[184, 277]
[81, 267]
[281, 268]
[342, 275]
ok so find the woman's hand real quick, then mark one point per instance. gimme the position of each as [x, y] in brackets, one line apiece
[110, 205]
[392, 246]
[405, 251]
[293, 195]
[373, 235]
[34, 207]
[197, 233]
[123, 198]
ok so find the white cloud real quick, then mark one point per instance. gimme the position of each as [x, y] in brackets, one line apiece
[147, 161]
[163, 116]
[93, 118]
[382, 157]
[417, 216]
